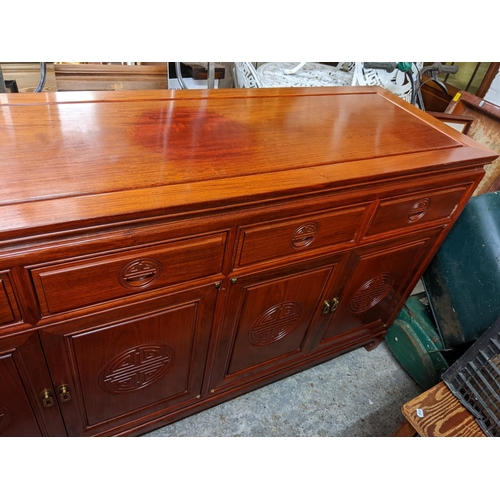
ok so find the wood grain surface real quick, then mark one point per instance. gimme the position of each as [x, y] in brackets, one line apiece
[89, 153]
[443, 415]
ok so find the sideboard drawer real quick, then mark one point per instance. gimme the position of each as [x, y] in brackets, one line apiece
[409, 211]
[89, 281]
[299, 235]
[8, 307]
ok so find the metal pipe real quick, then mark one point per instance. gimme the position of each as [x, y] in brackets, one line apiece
[178, 73]
[211, 75]
[3, 87]
[43, 74]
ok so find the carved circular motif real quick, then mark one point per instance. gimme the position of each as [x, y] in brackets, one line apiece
[275, 323]
[371, 293]
[4, 418]
[140, 273]
[304, 235]
[418, 210]
[136, 368]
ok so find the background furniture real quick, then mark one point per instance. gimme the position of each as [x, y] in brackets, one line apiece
[111, 76]
[395, 81]
[485, 129]
[27, 76]
[164, 251]
[88, 76]
[462, 123]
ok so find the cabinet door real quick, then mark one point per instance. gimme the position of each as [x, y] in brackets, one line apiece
[270, 322]
[378, 277]
[119, 373]
[28, 407]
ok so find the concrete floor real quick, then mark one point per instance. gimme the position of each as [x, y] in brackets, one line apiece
[357, 394]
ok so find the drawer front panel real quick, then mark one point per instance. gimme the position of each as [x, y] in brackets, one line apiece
[90, 281]
[8, 308]
[270, 241]
[413, 210]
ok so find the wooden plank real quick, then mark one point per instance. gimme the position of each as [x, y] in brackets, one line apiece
[442, 415]
[27, 76]
[198, 71]
[434, 98]
[405, 430]
[111, 77]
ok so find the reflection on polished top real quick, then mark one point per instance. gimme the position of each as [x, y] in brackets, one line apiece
[68, 145]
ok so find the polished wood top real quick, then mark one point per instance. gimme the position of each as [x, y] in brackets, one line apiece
[79, 155]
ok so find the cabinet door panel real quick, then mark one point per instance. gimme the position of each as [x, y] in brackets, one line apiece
[16, 415]
[28, 407]
[269, 322]
[379, 277]
[134, 366]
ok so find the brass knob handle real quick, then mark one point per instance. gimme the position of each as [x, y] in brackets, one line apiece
[334, 305]
[330, 306]
[47, 399]
[64, 394]
[326, 307]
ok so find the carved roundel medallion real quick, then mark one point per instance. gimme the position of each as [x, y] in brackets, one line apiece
[371, 293]
[304, 235]
[140, 273]
[275, 323]
[4, 418]
[418, 210]
[136, 368]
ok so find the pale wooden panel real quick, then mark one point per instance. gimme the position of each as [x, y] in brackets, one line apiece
[111, 77]
[27, 75]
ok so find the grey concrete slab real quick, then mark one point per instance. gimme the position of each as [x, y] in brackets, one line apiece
[357, 394]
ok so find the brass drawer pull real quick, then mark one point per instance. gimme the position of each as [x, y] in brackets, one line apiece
[47, 399]
[139, 280]
[302, 241]
[304, 235]
[330, 306]
[64, 394]
[140, 273]
[326, 307]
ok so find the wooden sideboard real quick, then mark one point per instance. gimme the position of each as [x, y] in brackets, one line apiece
[164, 251]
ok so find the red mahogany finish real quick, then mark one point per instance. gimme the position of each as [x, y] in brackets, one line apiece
[165, 251]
